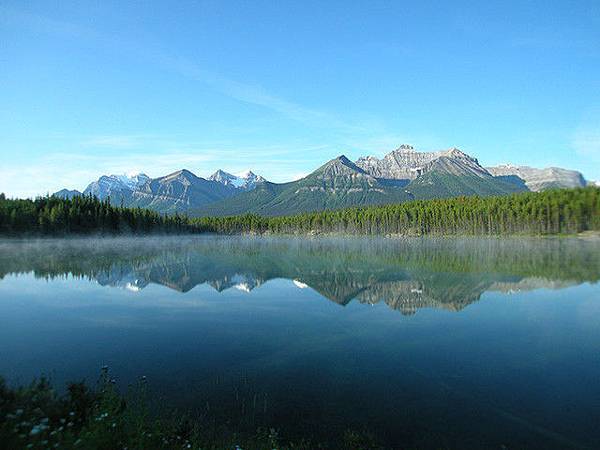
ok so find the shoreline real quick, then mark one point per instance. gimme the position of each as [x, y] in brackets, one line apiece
[587, 234]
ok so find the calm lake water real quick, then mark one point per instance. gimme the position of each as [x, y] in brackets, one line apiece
[422, 343]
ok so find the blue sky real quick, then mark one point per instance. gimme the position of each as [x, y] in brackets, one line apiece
[88, 88]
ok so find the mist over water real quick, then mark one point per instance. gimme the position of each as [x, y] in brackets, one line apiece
[421, 342]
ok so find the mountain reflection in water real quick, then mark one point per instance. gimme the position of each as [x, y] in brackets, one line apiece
[406, 274]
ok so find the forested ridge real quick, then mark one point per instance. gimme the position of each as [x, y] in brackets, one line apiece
[560, 211]
[81, 215]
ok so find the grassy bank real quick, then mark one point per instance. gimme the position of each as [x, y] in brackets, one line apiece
[35, 416]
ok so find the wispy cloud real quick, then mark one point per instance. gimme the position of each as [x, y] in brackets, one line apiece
[152, 53]
[251, 93]
[119, 142]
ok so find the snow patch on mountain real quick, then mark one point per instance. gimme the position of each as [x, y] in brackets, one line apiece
[244, 181]
[108, 185]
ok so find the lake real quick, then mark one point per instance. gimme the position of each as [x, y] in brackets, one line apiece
[421, 343]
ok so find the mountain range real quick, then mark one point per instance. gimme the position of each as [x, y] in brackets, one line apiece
[246, 181]
[401, 175]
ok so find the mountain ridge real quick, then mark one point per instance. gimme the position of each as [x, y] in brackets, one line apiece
[400, 175]
[540, 179]
[244, 181]
[341, 183]
[407, 163]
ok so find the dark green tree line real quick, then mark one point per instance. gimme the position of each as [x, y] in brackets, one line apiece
[81, 215]
[561, 211]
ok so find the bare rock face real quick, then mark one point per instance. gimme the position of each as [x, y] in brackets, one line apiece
[405, 163]
[178, 191]
[245, 181]
[341, 167]
[339, 175]
[111, 185]
[540, 179]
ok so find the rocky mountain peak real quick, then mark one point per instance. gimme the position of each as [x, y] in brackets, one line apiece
[246, 174]
[67, 193]
[244, 181]
[344, 160]
[339, 165]
[455, 152]
[405, 163]
[109, 185]
[182, 174]
[221, 176]
[539, 179]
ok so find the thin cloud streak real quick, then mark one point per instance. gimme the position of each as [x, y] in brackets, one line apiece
[244, 92]
[113, 142]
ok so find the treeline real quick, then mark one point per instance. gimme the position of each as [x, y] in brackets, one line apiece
[81, 215]
[560, 211]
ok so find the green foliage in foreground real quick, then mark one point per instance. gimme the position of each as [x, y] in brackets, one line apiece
[81, 215]
[36, 417]
[561, 211]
